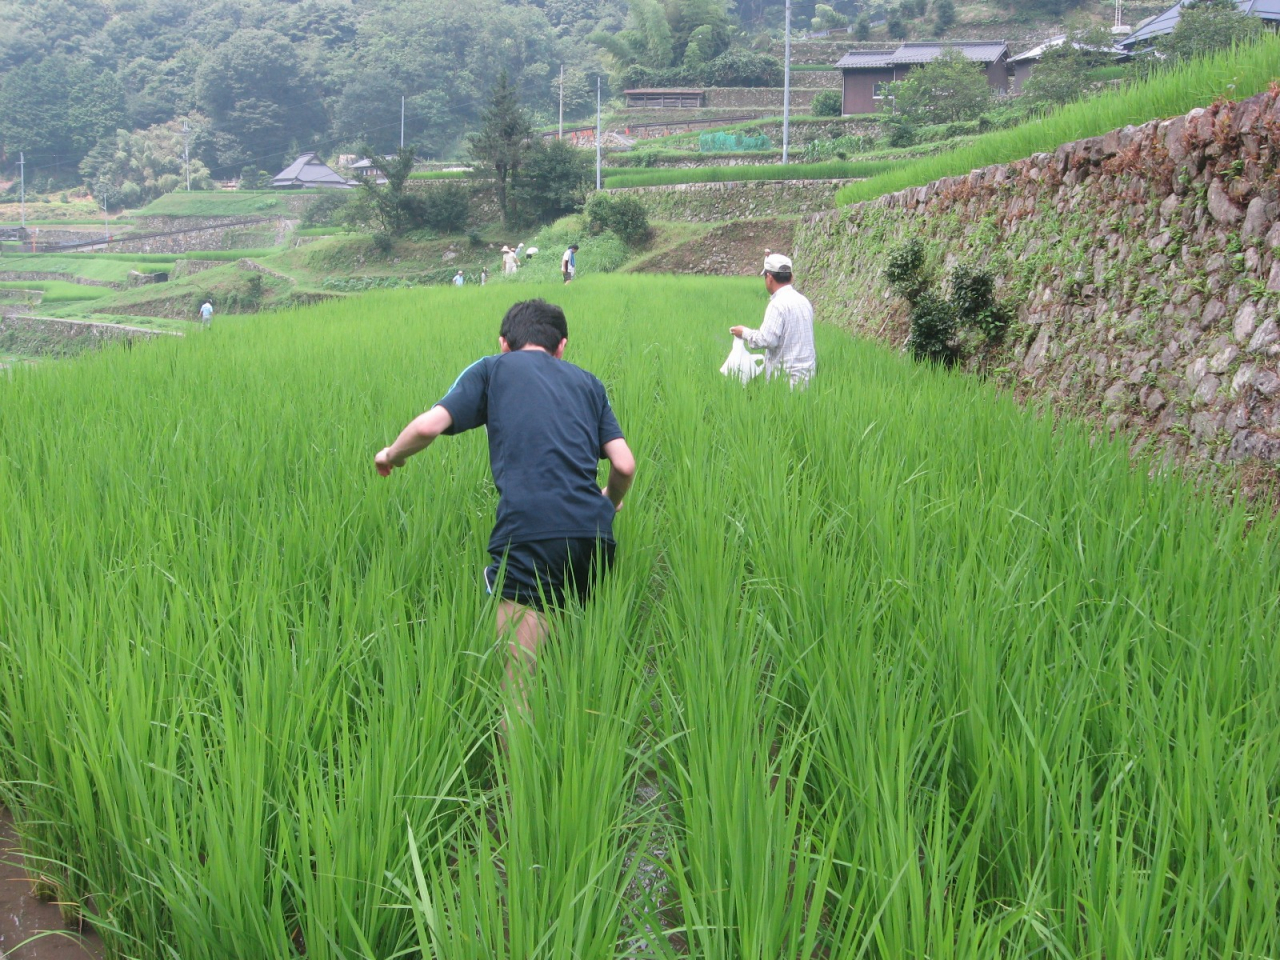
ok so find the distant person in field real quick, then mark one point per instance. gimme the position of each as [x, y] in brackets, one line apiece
[549, 424]
[484, 276]
[569, 263]
[510, 261]
[787, 331]
[459, 279]
[206, 312]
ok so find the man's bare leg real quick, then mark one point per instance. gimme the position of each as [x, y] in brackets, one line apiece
[522, 629]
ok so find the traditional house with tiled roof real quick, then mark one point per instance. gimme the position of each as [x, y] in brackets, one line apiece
[868, 72]
[308, 172]
[1141, 39]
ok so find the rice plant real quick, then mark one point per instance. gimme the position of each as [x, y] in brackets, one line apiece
[888, 667]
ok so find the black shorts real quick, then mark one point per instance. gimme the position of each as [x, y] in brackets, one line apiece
[543, 573]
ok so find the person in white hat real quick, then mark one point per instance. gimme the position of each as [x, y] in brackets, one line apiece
[787, 331]
[510, 261]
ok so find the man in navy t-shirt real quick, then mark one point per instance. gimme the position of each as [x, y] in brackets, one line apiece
[549, 425]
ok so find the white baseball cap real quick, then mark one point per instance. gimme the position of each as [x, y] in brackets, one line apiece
[776, 263]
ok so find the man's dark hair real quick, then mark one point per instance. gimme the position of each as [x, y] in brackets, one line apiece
[534, 322]
[782, 276]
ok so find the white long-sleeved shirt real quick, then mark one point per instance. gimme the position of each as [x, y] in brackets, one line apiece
[786, 335]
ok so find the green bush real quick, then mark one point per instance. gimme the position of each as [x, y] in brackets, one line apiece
[973, 298]
[905, 269]
[933, 325]
[828, 103]
[322, 210]
[625, 216]
[445, 207]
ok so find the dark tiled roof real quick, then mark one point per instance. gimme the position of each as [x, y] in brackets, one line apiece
[308, 169]
[1165, 22]
[910, 53]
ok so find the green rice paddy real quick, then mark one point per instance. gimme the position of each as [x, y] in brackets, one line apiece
[887, 668]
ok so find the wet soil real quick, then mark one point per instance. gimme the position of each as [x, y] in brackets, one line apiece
[23, 916]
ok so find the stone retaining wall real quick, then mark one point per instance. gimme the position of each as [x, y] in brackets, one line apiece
[1143, 265]
[733, 200]
[50, 275]
[759, 98]
[64, 338]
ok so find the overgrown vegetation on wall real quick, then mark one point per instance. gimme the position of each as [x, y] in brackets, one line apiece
[1144, 267]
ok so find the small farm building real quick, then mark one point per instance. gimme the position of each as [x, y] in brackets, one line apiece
[868, 72]
[666, 99]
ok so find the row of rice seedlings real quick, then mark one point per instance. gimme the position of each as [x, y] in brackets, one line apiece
[1168, 91]
[825, 170]
[910, 671]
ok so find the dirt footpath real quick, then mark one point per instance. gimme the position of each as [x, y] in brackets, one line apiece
[729, 250]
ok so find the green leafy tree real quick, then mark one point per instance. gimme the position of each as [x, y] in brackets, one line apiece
[500, 144]
[862, 27]
[1059, 77]
[948, 88]
[1208, 25]
[825, 17]
[389, 206]
[896, 24]
[150, 160]
[553, 179]
[255, 89]
[944, 16]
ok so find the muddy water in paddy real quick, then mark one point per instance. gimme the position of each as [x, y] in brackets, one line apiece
[23, 916]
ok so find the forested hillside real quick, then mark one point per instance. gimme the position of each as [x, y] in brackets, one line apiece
[258, 80]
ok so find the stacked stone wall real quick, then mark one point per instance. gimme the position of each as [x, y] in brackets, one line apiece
[64, 338]
[759, 98]
[1143, 266]
[734, 200]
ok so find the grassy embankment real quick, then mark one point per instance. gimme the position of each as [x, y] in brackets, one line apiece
[1167, 92]
[890, 667]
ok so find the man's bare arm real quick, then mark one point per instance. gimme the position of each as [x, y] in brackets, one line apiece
[622, 469]
[414, 438]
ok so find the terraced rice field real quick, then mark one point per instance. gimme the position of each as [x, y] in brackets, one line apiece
[888, 668]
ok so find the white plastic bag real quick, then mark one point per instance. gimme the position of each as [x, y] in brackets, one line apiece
[742, 363]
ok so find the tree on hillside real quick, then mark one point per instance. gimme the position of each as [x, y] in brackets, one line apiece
[944, 16]
[1208, 25]
[862, 28]
[56, 111]
[826, 18]
[150, 161]
[501, 142]
[1062, 75]
[553, 178]
[389, 205]
[950, 87]
[256, 90]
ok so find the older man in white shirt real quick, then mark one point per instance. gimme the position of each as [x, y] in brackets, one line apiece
[787, 331]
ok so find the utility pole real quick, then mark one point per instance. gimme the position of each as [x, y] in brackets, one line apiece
[786, 85]
[560, 131]
[402, 122]
[598, 130]
[22, 189]
[186, 152]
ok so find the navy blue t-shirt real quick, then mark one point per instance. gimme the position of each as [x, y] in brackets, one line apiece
[548, 422]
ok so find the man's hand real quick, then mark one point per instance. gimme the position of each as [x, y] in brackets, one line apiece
[385, 464]
[738, 331]
[604, 492]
